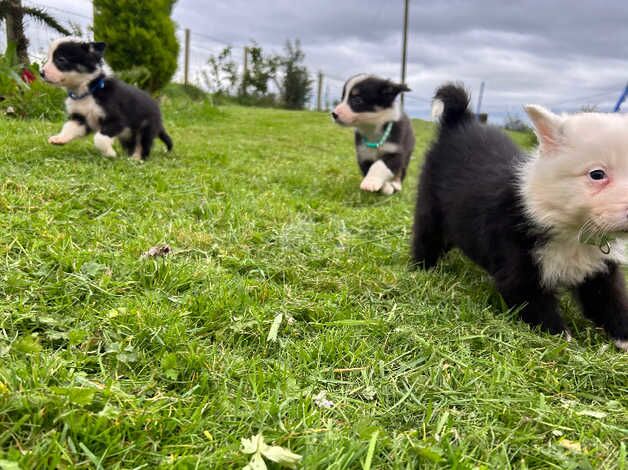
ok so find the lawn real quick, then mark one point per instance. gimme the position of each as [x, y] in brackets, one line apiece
[283, 281]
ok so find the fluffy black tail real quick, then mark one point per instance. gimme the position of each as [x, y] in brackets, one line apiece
[451, 105]
[165, 138]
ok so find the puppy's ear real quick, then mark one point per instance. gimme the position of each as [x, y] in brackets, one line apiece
[548, 128]
[393, 89]
[97, 48]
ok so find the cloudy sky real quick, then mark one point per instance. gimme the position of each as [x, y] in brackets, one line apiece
[562, 53]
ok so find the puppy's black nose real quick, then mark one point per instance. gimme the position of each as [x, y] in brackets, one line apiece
[334, 115]
[42, 73]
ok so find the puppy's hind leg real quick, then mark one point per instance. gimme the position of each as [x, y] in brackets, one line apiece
[144, 145]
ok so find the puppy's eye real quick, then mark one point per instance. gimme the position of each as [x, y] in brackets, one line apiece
[597, 175]
[62, 60]
[356, 101]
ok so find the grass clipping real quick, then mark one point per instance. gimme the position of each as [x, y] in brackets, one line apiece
[260, 450]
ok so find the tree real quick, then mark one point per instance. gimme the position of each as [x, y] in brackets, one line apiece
[222, 76]
[297, 86]
[12, 13]
[261, 68]
[139, 34]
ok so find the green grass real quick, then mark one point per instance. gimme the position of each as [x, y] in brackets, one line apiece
[111, 360]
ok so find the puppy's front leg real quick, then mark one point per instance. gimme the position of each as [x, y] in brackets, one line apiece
[604, 300]
[538, 306]
[70, 131]
[378, 175]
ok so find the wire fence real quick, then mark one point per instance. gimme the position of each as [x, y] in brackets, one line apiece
[203, 46]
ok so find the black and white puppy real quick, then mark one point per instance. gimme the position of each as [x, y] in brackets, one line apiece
[557, 218]
[97, 102]
[384, 139]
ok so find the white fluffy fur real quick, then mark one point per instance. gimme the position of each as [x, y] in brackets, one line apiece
[623, 345]
[378, 176]
[437, 109]
[86, 107]
[70, 131]
[561, 197]
[104, 143]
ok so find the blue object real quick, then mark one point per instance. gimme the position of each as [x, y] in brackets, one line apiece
[621, 99]
[100, 84]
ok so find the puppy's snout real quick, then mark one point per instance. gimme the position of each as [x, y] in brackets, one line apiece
[334, 115]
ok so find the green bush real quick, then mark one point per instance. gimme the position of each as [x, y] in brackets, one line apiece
[139, 34]
[34, 100]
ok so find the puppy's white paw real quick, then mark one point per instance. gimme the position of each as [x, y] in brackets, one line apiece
[371, 184]
[137, 158]
[396, 184]
[58, 139]
[387, 189]
[622, 344]
[110, 153]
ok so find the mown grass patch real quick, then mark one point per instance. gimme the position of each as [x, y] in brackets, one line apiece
[112, 360]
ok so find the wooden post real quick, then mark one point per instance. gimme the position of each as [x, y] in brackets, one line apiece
[319, 95]
[480, 96]
[186, 70]
[404, 46]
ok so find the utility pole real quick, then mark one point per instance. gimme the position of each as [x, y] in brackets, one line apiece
[186, 70]
[319, 95]
[621, 99]
[404, 46]
[480, 96]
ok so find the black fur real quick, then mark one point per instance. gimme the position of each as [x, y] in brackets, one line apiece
[81, 57]
[372, 93]
[468, 199]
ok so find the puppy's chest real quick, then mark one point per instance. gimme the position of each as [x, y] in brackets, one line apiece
[567, 263]
[88, 108]
[369, 154]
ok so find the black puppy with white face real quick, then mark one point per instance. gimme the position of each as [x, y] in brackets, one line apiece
[538, 223]
[100, 103]
[384, 139]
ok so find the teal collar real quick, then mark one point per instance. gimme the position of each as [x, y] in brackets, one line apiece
[603, 242]
[382, 140]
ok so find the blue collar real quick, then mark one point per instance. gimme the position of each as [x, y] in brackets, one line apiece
[382, 140]
[99, 85]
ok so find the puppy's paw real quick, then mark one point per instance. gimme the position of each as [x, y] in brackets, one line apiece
[387, 189]
[137, 158]
[622, 344]
[57, 139]
[110, 153]
[371, 184]
[396, 184]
